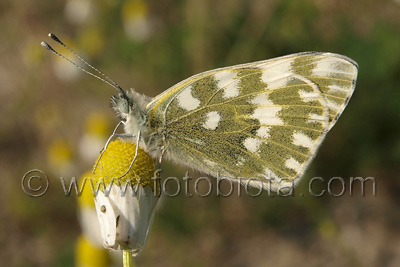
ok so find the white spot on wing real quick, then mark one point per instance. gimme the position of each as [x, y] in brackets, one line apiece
[227, 80]
[252, 144]
[335, 88]
[323, 66]
[300, 139]
[309, 96]
[317, 118]
[186, 99]
[212, 120]
[278, 76]
[332, 105]
[263, 131]
[261, 99]
[293, 164]
[268, 115]
[327, 66]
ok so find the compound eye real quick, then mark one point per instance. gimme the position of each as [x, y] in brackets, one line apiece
[123, 106]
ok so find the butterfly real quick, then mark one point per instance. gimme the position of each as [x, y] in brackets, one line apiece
[260, 123]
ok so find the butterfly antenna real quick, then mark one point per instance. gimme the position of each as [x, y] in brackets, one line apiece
[107, 79]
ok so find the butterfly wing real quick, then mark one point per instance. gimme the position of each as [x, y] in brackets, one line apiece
[262, 120]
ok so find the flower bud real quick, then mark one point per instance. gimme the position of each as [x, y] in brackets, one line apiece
[125, 205]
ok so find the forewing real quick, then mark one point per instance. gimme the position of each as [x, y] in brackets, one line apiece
[262, 120]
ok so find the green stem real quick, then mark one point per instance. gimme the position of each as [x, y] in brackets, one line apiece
[127, 258]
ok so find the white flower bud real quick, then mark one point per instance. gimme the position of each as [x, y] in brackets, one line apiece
[126, 217]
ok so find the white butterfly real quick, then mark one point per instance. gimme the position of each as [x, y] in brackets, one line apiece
[263, 120]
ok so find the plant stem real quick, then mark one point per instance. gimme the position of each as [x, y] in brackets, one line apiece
[127, 258]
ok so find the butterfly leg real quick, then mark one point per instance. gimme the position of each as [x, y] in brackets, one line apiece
[134, 158]
[105, 147]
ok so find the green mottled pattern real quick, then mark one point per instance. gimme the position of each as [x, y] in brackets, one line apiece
[222, 150]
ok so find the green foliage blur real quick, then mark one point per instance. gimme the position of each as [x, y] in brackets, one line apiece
[51, 113]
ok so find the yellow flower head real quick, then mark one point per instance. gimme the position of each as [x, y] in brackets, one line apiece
[116, 160]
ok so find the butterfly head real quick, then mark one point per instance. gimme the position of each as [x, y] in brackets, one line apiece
[131, 109]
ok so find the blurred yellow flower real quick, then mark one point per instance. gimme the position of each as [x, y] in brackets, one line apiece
[60, 157]
[97, 124]
[96, 131]
[32, 53]
[79, 11]
[135, 16]
[87, 255]
[91, 40]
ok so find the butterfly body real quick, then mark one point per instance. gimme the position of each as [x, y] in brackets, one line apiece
[263, 120]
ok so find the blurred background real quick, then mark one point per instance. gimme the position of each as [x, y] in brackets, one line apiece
[56, 118]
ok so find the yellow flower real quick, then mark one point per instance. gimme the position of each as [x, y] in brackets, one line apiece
[125, 205]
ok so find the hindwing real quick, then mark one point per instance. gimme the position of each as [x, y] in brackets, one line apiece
[262, 120]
